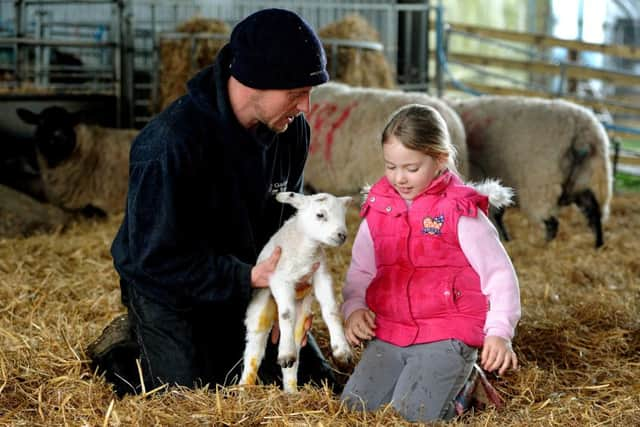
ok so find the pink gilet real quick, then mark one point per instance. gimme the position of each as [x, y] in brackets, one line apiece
[424, 290]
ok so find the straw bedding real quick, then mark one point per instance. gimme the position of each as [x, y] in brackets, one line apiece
[578, 341]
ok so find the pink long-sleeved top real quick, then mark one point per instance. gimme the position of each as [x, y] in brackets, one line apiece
[481, 245]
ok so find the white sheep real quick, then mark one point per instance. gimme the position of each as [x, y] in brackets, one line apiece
[346, 127]
[319, 221]
[83, 167]
[552, 152]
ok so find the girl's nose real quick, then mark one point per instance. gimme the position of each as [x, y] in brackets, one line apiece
[400, 177]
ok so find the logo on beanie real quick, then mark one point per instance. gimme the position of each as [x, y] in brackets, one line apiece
[432, 225]
[316, 73]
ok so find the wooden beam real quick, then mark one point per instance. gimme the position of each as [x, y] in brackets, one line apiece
[542, 40]
[570, 70]
[600, 104]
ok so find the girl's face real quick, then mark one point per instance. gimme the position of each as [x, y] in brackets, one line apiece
[409, 171]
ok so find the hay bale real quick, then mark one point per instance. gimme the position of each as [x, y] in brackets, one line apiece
[181, 59]
[357, 67]
[21, 215]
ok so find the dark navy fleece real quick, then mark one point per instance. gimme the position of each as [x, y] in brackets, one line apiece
[200, 204]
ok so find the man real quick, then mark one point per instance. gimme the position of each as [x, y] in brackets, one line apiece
[200, 207]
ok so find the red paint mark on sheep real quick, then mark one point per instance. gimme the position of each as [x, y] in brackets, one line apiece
[335, 126]
[317, 116]
[475, 129]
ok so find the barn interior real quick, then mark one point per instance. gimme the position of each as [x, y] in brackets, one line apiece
[121, 62]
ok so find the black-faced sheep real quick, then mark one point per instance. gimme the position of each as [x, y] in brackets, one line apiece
[319, 221]
[346, 126]
[19, 166]
[551, 152]
[83, 167]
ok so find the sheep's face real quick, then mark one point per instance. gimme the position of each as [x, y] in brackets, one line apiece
[55, 135]
[322, 216]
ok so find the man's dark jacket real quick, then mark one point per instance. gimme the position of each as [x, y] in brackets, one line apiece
[200, 204]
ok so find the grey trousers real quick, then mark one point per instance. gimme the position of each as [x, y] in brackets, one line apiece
[421, 381]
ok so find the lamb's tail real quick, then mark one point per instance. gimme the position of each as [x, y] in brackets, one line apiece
[499, 195]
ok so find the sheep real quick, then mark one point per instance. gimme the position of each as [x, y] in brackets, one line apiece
[83, 167]
[318, 222]
[346, 126]
[552, 152]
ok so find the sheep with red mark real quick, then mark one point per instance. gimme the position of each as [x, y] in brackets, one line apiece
[83, 167]
[551, 152]
[346, 125]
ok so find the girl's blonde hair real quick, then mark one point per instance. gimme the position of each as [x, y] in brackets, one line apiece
[421, 128]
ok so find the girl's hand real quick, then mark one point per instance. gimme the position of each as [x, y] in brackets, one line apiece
[498, 354]
[360, 325]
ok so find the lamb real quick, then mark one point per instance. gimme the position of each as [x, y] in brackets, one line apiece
[83, 167]
[319, 222]
[346, 126]
[552, 152]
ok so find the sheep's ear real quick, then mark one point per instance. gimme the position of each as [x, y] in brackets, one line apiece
[28, 116]
[346, 200]
[289, 197]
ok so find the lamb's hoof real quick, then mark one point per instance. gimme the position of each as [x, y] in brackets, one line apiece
[342, 354]
[286, 361]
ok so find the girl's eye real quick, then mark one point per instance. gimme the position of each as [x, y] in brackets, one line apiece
[390, 167]
[413, 169]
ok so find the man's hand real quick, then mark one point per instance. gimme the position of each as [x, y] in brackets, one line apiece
[360, 325]
[498, 354]
[262, 271]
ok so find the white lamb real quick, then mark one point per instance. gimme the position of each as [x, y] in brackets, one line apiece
[319, 221]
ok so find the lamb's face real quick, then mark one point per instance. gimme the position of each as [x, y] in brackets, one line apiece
[322, 216]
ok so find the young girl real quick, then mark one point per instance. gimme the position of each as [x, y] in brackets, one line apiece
[429, 281]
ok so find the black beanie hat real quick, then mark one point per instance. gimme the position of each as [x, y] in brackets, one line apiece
[277, 49]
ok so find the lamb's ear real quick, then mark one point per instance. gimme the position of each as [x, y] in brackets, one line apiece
[289, 197]
[346, 200]
[28, 116]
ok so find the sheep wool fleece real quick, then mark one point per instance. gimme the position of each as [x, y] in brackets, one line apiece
[425, 290]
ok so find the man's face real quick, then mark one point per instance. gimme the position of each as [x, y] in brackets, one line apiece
[277, 108]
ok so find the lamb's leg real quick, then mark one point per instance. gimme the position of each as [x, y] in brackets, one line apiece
[323, 290]
[498, 216]
[290, 375]
[590, 208]
[261, 315]
[285, 295]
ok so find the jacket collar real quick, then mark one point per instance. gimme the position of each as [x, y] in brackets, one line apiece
[436, 187]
